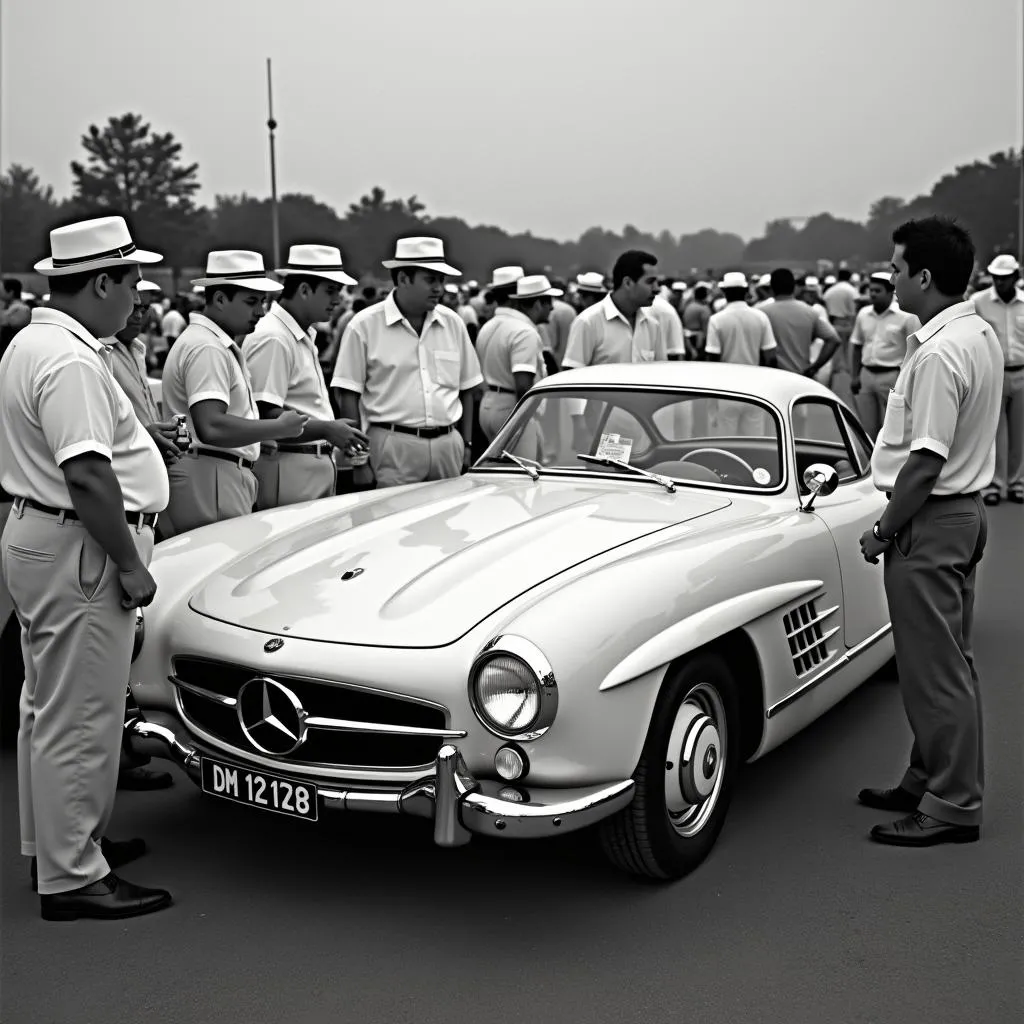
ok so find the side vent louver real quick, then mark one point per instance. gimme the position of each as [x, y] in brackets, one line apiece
[807, 637]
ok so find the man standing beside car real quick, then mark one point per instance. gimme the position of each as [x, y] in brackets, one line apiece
[934, 455]
[88, 484]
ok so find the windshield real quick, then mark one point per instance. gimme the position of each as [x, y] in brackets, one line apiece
[690, 436]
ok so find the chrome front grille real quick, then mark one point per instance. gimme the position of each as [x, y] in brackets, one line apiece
[807, 637]
[349, 727]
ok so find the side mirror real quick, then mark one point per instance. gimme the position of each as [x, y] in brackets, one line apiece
[819, 478]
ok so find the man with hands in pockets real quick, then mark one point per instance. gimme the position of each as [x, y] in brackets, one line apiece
[88, 483]
[934, 456]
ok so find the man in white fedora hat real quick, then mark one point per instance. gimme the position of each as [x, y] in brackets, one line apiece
[88, 483]
[510, 349]
[206, 380]
[878, 346]
[407, 365]
[1002, 306]
[282, 359]
[590, 289]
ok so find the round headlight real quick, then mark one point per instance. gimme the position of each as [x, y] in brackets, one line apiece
[512, 689]
[508, 693]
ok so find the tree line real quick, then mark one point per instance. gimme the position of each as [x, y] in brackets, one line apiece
[131, 168]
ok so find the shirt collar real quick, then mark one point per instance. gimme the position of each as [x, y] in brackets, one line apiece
[1018, 296]
[204, 321]
[954, 312]
[288, 321]
[55, 318]
[612, 312]
[518, 314]
[393, 315]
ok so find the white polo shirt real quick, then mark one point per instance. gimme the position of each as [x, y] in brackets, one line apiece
[59, 399]
[1006, 319]
[841, 301]
[602, 334]
[883, 336]
[406, 378]
[204, 364]
[284, 365]
[739, 334]
[946, 400]
[509, 343]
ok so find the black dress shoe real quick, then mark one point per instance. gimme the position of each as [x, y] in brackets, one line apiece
[110, 897]
[143, 778]
[115, 853]
[1016, 498]
[895, 799]
[919, 829]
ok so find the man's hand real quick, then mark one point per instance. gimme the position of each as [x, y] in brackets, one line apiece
[164, 435]
[138, 586]
[854, 385]
[871, 547]
[344, 434]
[290, 423]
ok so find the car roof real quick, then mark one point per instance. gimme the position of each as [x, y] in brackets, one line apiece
[779, 387]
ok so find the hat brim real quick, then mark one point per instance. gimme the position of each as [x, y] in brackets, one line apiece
[249, 284]
[47, 269]
[337, 276]
[999, 272]
[148, 286]
[591, 289]
[440, 268]
[548, 293]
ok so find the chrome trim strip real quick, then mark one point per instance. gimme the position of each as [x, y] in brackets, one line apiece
[198, 691]
[344, 725]
[830, 669]
[813, 622]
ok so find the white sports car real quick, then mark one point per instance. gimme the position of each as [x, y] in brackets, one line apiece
[651, 576]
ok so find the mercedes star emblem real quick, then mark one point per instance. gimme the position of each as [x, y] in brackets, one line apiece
[271, 716]
[273, 645]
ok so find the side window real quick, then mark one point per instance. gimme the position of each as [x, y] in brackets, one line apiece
[818, 436]
[862, 445]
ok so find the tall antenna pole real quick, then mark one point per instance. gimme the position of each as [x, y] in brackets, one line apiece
[271, 126]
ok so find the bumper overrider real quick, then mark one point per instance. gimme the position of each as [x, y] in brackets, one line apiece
[458, 803]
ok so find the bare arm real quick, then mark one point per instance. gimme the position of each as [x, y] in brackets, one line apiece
[910, 491]
[466, 423]
[217, 427]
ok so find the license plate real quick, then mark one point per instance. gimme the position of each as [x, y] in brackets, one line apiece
[260, 789]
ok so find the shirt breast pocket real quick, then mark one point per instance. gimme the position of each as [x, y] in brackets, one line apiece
[446, 369]
[895, 423]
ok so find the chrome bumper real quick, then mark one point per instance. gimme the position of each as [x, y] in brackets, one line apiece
[451, 797]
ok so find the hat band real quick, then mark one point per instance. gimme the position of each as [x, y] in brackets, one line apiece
[419, 259]
[110, 254]
[238, 275]
[332, 267]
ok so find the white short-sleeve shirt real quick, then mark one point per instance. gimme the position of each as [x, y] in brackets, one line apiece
[1006, 319]
[602, 334]
[883, 336]
[58, 400]
[284, 366]
[739, 334]
[204, 365]
[406, 378]
[509, 343]
[946, 400]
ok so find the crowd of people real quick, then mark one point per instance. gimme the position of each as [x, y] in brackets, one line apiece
[286, 386]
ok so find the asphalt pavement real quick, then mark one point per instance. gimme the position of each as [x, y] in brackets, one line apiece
[796, 917]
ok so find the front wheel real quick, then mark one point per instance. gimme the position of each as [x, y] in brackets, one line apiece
[685, 777]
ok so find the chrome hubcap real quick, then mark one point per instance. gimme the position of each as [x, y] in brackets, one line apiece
[695, 760]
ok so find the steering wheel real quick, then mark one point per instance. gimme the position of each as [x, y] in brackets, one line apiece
[721, 451]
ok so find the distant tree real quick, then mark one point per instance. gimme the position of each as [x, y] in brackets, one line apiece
[137, 172]
[28, 210]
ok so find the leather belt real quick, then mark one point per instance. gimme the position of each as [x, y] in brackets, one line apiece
[226, 457]
[1016, 366]
[880, 369]
[133, 518]
[500, 391]
[943, 497]
[424, 432]
[317, 448]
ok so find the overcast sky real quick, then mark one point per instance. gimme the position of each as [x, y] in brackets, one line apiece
[541, 115]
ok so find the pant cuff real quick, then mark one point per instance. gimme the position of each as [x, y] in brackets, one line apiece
[951, 814]
[28, 849]
[70, 885]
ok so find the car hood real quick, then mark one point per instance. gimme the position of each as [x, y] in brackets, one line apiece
[421, 567]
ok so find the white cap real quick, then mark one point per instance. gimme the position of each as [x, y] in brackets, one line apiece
[734, 279]
[147, 286]
[764, 281]
[452, 289]
[883, 276]
[831, 279]
[536, 286]
[1003, 266]
[502, 277]
[810, 281]
[680, 286]
[591, 281]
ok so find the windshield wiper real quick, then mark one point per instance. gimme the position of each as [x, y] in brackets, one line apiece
[665, 482]
[528, 466]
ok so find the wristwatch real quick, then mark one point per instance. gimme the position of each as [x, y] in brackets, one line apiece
[877, 535]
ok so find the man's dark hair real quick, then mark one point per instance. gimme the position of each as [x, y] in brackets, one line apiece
[783, 282]
[941, 246]
[72, 284]
[701, 293]
[229, 291]
[501, 295]
[631, 264]
[843, 275]
[12, 287]
[293, 282]
[370, 292]
[358, 305]
[735, 294]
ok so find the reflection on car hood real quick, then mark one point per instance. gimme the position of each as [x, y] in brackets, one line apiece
[427, 564]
